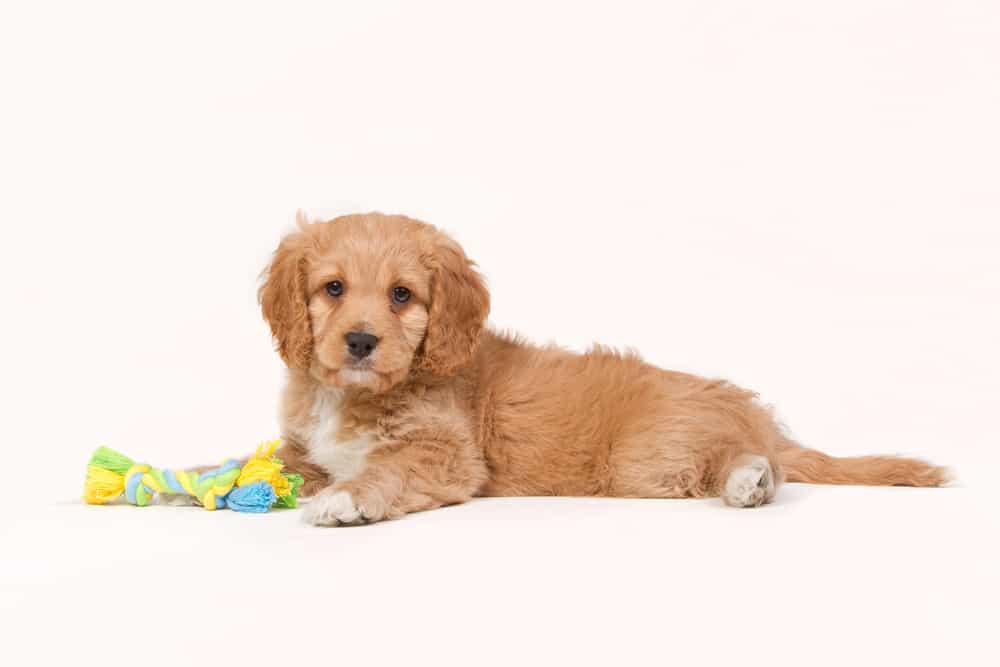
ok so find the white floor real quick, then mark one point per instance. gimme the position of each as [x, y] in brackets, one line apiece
[827, 575]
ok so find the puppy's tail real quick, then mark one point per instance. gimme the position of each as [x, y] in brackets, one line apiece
[814, 467]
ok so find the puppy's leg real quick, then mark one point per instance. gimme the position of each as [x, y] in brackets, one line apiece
[679, 470]
[399, 478]
[749, 481]
[295, 457]
[715, 443]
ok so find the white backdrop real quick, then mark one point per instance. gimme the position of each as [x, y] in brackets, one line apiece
[803, 197]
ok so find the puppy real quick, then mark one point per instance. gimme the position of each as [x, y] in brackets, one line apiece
[399, 399]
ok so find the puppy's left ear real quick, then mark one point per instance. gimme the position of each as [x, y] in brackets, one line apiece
[458, 309]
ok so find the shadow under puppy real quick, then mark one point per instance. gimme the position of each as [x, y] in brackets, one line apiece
[399, 399]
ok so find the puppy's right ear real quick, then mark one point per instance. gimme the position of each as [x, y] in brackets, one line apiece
[283, 301]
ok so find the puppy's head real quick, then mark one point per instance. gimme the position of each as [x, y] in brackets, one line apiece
[361, 300]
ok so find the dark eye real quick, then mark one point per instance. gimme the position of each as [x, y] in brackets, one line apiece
[400, 294]
[335, 288]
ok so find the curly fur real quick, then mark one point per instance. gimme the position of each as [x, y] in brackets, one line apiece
[283, 300]
[459, 306]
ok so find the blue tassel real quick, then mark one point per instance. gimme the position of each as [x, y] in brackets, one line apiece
[255, 497]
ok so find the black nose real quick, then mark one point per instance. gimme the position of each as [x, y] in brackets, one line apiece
[359, 344]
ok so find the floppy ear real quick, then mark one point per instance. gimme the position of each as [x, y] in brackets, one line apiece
[458, 310]
[283, 301]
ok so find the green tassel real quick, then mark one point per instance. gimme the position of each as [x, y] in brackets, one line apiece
[109, 459]
[291, 500]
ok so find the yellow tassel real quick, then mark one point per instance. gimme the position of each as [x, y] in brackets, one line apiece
[281, 485]
[267, 449]
[262, 466]
[102, 486]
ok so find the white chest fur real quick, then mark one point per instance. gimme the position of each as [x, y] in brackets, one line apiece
[342, 459]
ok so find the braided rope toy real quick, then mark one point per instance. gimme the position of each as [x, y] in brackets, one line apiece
[255, 487]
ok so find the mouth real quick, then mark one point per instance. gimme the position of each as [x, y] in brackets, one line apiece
[360, 373]
[354, 372]
[359, 364]
[357, 375]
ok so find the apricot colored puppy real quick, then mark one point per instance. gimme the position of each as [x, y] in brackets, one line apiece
[399, 399]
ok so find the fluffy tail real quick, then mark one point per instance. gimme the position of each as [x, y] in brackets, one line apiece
[808, 465]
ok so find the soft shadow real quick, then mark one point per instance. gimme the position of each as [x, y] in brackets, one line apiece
[790, 493]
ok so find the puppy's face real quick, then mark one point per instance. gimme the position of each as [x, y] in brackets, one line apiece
[368, 294]
[363, 300]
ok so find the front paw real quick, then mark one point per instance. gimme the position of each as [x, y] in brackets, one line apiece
[340, 507]
[331, 507]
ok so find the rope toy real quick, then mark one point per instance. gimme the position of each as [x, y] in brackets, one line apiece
[255, 487]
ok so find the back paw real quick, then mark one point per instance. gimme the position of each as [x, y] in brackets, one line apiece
[750, 482]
